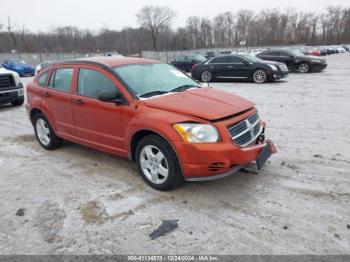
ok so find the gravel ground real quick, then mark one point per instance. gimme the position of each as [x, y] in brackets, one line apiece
[79, 201]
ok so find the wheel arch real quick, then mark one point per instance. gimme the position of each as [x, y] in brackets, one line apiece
[33, 113]
[137, 137]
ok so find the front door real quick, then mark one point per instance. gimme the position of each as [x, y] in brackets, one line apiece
[97, 123]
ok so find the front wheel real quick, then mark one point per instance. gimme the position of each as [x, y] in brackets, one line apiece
[260, 76]
[158, 164]
[304, 68]
[45, 134]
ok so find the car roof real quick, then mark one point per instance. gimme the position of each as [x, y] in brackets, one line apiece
[111, 61]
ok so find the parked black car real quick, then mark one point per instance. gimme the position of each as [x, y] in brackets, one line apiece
[295, 60]
[186, 62]
[210, 54]
[239, 67]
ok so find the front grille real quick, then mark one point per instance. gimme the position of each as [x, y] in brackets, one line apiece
[246, 131]
[6, 81]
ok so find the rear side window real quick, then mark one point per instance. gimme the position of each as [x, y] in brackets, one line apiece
[42, 79]
[235, 60]
[91, 82]
[61, 79]
[220, 60]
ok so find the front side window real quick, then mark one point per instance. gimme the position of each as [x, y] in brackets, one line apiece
[61, 79]
[145, 78]
[42, 79]
[91, 82]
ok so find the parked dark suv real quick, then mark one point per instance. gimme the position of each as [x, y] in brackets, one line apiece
[185, 63]
[295, 60]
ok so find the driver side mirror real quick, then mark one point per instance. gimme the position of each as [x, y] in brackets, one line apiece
[110, 96]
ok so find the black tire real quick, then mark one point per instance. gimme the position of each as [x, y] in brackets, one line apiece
[54, 141]
[175, 177]
[304, 68]
[18, 102]
[260, 76]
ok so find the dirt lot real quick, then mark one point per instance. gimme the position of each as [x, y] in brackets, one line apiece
[79, 201]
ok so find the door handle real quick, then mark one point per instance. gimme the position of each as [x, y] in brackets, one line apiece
[47, 94]
[78, 102]
[230, 66]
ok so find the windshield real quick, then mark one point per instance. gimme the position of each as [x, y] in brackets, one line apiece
[199, 58]
[251, 58]
[148, 78]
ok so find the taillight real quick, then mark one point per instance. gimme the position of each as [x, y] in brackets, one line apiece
[194, 66]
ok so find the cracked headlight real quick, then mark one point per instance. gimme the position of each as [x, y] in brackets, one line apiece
[197, 133]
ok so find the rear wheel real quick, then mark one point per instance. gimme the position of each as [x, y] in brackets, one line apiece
[304, 68]
[158, 164]
[260, 76]
[18, 102]
[45, 134]
[206, 77]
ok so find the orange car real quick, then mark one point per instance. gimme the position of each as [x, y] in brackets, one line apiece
[151, 113]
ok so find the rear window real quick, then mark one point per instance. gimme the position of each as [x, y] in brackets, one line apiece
[61, 79]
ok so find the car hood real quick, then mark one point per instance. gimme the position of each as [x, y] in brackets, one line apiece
[5, 71]
[24, 66]
[206, 103]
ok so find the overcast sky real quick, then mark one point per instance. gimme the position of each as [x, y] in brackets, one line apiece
[115, 14]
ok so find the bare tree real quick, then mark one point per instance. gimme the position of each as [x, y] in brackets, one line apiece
[13, 36]
[156, 19]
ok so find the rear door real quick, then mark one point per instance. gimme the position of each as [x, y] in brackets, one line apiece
[238, 68]
[98, 123]
[56, 100]
[219, 67]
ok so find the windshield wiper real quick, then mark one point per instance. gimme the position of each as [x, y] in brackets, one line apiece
[153, 93]
[182, 88]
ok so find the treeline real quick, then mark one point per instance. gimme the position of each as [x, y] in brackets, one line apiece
[243, 28]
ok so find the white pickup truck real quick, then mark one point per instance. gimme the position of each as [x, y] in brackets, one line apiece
[11, 88]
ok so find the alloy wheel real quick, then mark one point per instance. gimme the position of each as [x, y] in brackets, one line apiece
[154, 164]
[43, 131]
[259, 76]
[206, 76]
[304, 68]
